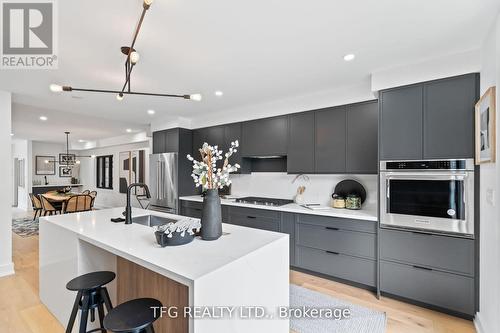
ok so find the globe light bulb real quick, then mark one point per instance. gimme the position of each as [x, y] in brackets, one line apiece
[56, 88]
[134, 57]
[195, 97]
[119, 97]
[148, 2]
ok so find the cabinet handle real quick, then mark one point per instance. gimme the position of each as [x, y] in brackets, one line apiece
[331, 228]
[421, 233]
[251, 217]
[331, 252]
[424, 268]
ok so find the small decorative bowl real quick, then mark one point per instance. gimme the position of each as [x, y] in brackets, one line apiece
[176, 239]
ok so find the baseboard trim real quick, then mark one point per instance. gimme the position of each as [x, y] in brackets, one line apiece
[7, 269]
[477, 324]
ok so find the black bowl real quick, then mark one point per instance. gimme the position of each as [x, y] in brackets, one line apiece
[175, 240]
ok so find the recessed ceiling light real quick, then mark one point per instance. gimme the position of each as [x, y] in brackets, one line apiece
[129, 130]
[219, 93]
[349, 57]
[11, 134]
[151, 112]
[81, 141]
[43, 118]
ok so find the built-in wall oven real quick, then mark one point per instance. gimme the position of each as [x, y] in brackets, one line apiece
[435, 196]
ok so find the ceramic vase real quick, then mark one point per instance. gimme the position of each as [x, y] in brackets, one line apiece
[211, 219]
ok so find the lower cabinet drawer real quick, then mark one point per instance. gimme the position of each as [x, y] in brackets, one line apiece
[446, 290]
[434, 251]
[336, 240]
[191, 212]
[337, 265]
[256, 222]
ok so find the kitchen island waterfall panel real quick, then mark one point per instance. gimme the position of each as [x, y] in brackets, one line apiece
[228, 271]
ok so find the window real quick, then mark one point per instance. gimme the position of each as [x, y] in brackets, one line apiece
[104, 172]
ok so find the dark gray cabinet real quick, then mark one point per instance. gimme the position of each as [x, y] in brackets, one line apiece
[449, 117]
[300, 158]
[450, 292]
[362, 137]
[338, 247]
[430, 120]
[255, 218]
[288, 227]
[214, 136]
[265, 137]
[171, 141]
[330, 140]
[432, 269]
[401, 123]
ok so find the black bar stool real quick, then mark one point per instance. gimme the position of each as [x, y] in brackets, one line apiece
[91, 295]
[135, 316]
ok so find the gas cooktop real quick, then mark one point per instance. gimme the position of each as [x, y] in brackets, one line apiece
[263, 201]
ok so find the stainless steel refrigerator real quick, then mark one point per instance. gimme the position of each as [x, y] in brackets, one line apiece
[163, 182]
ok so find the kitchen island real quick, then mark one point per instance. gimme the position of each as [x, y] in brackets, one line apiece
[233, 271]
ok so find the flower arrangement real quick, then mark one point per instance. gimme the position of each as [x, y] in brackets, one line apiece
[182, 226]
[206, 173]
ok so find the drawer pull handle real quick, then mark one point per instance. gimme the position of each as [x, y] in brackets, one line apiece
[331, 228]
[331, 252]
[424, 268]
[251, 217]
[421, 233]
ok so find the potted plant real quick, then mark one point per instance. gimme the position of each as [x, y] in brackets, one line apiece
[211, 178]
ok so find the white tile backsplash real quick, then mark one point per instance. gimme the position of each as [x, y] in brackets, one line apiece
[319, 188]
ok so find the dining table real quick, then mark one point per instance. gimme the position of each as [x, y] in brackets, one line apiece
[58, 199]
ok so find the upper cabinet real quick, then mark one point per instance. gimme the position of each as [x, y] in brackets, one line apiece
[169, 141]
[362, 135]
[401, 123]
[340, 139]
[330, 140]
[265, 137]
[300, 158]
[449, 117]
[429, 120]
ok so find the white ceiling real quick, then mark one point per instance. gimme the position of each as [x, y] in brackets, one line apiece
[26, 124]
[254, 51]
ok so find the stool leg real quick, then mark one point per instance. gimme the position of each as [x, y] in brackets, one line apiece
[85, 314]
[107, 300]
[72, 317]
[100, 310]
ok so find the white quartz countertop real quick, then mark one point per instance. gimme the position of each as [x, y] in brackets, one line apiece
[57, 185]
[367, 212]
[137, 242]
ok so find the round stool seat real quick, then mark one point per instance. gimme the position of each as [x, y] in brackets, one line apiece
[90, 281]
[134, 315]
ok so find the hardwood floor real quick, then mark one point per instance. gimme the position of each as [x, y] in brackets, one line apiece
[22, 312]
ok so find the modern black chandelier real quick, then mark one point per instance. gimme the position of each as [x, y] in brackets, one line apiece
[130, 62]
[67, 160]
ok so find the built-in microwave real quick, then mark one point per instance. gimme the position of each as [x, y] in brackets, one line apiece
[435, 196]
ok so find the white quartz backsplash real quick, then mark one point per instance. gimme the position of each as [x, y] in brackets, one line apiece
[319, 188]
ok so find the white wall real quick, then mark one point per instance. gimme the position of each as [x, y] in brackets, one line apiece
[319, 188]
[21, 149]
[109, 198]
[6, 265]
[50, 149]
[488, 318]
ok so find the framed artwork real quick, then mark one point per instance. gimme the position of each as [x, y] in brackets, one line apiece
[67, 159]
[65, 172]
[45, 165]
[485, 127]
[132, 169]
[104, 172]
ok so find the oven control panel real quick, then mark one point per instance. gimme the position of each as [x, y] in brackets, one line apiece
[427, 165]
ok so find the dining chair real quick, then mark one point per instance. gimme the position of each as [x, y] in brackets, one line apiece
[93, 194]
[78, 203]
[47, 206]
[86, 192]
[37, 206]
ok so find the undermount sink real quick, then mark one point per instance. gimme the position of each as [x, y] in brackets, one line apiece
[152, 220]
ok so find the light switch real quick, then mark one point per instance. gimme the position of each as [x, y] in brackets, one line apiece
[490, 196]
